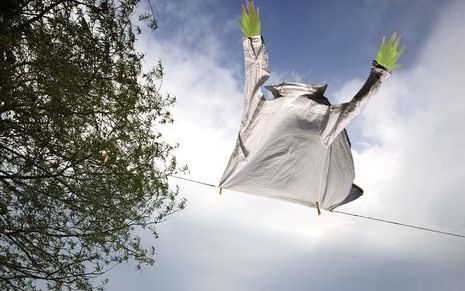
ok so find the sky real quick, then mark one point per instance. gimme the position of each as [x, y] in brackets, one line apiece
[408, 147]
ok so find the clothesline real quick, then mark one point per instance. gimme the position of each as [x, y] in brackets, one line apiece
[353, 214]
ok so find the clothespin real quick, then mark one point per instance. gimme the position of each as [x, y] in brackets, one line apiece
[317, 206]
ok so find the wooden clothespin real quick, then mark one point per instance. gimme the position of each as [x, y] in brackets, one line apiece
[317, 206]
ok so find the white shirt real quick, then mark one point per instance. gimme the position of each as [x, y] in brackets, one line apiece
[294, 146]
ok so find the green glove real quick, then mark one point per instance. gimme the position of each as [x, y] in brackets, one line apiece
[389, 52]
[250, 20]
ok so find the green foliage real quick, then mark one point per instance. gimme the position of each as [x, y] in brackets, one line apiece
[250, 20]
[83, 165]
[389, 52]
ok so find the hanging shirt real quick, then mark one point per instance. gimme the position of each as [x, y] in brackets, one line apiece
[294, 146]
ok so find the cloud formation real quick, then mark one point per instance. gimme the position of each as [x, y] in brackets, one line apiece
[415, 129]
[409, 155]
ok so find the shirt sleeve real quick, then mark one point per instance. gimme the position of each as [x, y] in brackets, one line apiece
[340, 115]
[256, 74]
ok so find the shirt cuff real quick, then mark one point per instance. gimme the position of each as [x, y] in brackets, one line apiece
[380, 70]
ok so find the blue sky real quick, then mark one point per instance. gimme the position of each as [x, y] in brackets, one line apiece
[408, 146]
[323, 41]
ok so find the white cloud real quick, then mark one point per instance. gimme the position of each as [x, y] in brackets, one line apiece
[411, 166]
[416, 121]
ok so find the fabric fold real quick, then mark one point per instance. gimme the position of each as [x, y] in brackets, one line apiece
[295, 147]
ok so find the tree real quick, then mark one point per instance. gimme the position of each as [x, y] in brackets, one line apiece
[83, 165]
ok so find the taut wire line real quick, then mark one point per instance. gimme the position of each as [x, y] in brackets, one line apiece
[354, 214]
